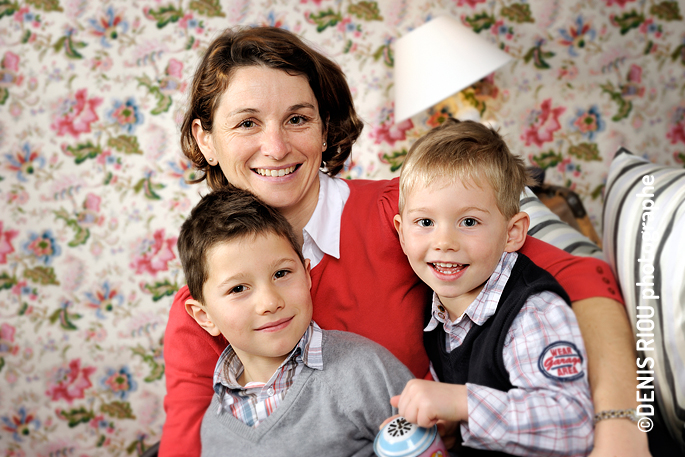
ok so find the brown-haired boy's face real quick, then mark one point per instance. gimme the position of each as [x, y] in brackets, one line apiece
[258, 296]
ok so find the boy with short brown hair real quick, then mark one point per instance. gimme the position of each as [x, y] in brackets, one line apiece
[283, 386]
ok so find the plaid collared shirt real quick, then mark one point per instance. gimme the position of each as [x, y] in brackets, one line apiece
[539, 414]
[256, 401]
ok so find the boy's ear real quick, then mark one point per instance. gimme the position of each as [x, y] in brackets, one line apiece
[308, 271]
[203, 140]
[516, 231]
[203, 319]
[397, 220]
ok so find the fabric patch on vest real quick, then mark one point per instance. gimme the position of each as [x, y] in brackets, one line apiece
[561, 361]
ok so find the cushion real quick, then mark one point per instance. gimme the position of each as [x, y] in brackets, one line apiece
[644, 242]
[548, 227]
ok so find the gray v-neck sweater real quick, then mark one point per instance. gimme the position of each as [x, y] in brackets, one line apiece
[331, 412]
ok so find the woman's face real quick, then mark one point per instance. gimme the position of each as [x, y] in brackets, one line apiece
[268, 138]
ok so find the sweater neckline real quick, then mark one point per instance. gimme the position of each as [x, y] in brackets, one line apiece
[253, 434]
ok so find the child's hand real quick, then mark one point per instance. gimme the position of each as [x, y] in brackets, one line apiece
[425, 402]
[389, 419]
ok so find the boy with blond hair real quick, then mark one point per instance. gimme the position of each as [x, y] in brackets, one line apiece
[283, 385]
[500, 334]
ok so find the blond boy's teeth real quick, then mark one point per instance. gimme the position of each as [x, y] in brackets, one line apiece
[275, 173]
[448, 268]
[447, 265]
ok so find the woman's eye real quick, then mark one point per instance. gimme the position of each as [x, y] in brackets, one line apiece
[425, 223]
[469, 222]
[248, 124]
[297, 120]
[281, 273]
[237, 289]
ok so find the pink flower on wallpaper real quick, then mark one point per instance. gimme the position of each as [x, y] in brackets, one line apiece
[92, 202]
[153, 255]
[390, 132]
[9, 67]
[7, 345]
[175, 68]
[90, 216]
[10, 61]
[471, 3]
[633, 88]
[437, 118]
[69, 382]
[677, 131]
[649, 26]
[6, 247]
[542, 123]
[25, 15]
[173, 81]
[500, 28]
[74, 115]
[622, 3]
[189, 22]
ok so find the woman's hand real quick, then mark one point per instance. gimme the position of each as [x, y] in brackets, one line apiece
[425, 402]
[619, 437]
[611, 371]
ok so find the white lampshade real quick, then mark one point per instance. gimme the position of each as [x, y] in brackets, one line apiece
[437, 60]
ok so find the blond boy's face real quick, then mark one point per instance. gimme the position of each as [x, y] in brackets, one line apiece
[258, 296]
[454, 236]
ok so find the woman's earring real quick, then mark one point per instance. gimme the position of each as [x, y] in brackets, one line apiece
[210, 160]
[324, 144]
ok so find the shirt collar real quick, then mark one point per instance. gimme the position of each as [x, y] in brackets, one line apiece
[308, 351]
[323, 228]
[484, 305]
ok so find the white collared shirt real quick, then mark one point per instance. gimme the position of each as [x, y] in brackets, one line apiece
[322, 232]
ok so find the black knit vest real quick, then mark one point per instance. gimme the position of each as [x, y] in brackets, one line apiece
[479, 359]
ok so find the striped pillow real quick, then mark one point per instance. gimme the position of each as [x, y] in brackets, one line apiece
[546, 226]
[644, 242]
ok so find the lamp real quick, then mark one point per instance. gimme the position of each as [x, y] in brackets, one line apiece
[437, 60]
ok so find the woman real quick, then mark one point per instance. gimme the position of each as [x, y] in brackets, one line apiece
[266, 114]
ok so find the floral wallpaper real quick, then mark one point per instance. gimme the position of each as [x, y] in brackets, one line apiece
[92, 181]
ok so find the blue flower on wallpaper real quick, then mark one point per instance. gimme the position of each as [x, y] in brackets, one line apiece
[25, 289]
[26, 162]
[120, 382]
[20, 424]
[577, 36]
[588, 122]
[108, 27]
[104, 299]
[193, 23]
[126, 115]
[27, 16]
[184, 171]
[43, 246]
[272, 20]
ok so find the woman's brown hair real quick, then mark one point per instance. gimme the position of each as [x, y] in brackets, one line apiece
[279, 49]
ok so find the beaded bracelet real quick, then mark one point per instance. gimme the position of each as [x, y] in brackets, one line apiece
[629, 414]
